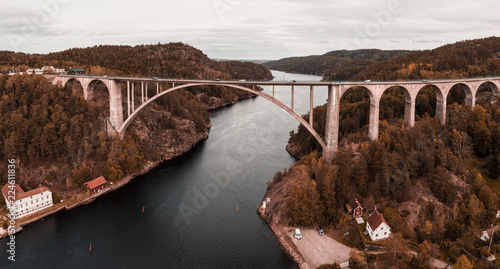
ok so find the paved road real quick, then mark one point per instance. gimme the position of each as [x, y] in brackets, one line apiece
[318, 250]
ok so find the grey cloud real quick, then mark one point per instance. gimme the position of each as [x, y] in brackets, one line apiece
[257, 28]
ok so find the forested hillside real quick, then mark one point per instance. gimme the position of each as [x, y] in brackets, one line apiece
[430, 182]
[175, 60]
[437, 186]
[341, 64]
[471, 58]
[59, 139]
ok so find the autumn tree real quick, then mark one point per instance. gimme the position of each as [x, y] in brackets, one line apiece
[463, 263]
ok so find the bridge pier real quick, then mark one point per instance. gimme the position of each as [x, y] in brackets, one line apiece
[128, 99]
[133, 97]
[88, 93]
[311, 106]
[115, 104]
[142, 92]
[410, 103]
[441, 108]
[374, 118]
[332, 123]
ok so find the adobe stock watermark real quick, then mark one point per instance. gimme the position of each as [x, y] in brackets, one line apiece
[198, 199]
[223, 6]
[12, 208]
[381, 19]
[47, 9]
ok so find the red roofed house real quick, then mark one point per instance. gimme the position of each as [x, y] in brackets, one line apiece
[354, 208]
[377, 227]
[95, 185]
[23, 203]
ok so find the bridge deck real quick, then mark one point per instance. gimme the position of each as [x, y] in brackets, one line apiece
[282, 83]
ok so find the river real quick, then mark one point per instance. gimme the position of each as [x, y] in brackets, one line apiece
[200, 209]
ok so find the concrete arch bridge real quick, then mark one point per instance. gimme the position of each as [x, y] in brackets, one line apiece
[120, 119]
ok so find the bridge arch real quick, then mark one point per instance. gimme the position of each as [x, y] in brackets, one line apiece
[440, 100]
[115, 95]
[409, 99]
[372, 109]
[452, 95]
[488, 86]
[75, 83]
[266, 96]
[93, 85]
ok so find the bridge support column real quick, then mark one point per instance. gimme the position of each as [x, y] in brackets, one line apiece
[142, 92]
[441, 108]
[374, 118]
[133, 97]
[293, 91]
[157, 88]
[115, 104]
[128, 98]
[311, 106]
[332, 123]
[88, 92]
[410, 103]
[470, 99]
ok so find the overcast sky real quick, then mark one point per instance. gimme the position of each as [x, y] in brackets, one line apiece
[246, 29]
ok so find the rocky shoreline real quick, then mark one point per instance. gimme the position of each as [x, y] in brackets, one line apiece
[281, 237]
[122, 182]
[174, 153]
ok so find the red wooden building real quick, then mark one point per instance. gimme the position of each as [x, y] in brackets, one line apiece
[354, 208]
[96, 185]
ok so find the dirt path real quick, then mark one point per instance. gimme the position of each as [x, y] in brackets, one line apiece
[317, 249]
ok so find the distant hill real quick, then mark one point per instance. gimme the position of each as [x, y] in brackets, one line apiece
[343, 64]
[162, 60]
[470, 58]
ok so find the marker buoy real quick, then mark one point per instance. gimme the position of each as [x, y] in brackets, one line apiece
[143, 209]
[236, 209]
[90, 250]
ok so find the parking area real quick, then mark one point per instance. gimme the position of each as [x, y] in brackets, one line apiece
[317, 249]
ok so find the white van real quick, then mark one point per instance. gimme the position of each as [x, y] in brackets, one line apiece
[297, 234]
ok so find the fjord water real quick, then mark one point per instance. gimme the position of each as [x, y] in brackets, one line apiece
[190, 218]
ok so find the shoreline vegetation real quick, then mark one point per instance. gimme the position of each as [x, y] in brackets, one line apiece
[436, 185]
[283, 240]
[59, 140]
[85, 198]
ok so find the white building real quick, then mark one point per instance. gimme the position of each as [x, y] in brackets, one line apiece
[35, 71]
[45, 70]
[26, 203]
[377, 227]
[487, 233]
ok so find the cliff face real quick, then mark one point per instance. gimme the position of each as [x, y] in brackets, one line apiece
[293, 149]
[166, 144]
